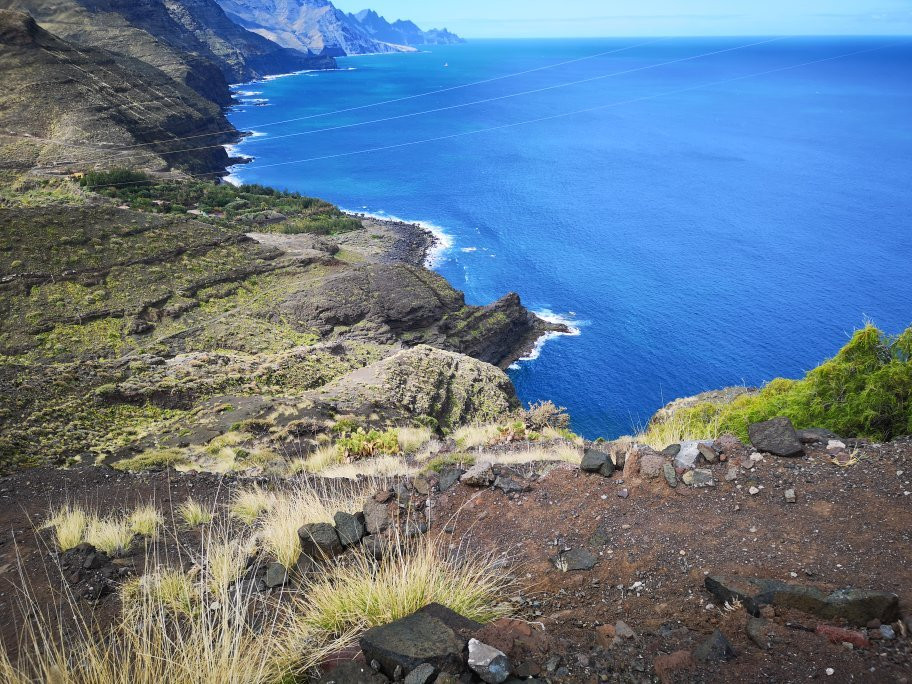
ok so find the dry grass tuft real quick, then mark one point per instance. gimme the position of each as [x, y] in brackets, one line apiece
[678, 428]
[379, 467]
[362, 592]
[249, 504]
[474, 436]
[565, 453]
[194, 513]
[411, 439]
[324, 457]
[146, 521]
[69, 523]
[112, 535]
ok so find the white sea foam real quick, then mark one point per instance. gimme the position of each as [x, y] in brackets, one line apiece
[468, 249]
[443, 242]
[573, 326]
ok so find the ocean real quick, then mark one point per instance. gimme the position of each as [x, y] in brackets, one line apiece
[703, 212]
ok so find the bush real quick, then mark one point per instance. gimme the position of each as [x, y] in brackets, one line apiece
[115, 179]
[153, 460]
[545, 414]
[360, 444]
[864, 391]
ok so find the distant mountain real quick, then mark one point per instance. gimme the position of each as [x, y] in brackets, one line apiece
[193, 41]
[317, 25]
[402, 32]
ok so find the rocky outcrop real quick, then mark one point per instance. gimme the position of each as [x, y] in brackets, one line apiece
[387, 303]
[452, 388]
[69, 105]
[720, 397]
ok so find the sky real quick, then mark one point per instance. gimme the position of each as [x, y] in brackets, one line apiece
[603, 18]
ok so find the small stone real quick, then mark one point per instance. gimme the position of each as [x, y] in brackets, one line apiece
[834, 446]
[421, 485]
[671, 477]
[790, 496]
[479, 475]
[698, 478]
[622, 630]
[753, 491]
[423, 674]
[449, 477]
[732, 473]
[758, 632]
[830, 672]
[487, 662]
[350, 528]
[687, 456]
[671, 450]
[320, 541]
[887, 632]
[715, 649]
[574, 559]
[623, 493]
[509, 485]
[708, 452]
[838, 635]
[276, 575]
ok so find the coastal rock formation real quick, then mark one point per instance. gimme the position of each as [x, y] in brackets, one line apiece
[402, 32]
[451, 388]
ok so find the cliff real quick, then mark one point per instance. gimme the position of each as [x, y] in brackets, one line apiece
[70, 106]
[402, 32]
[193, 41]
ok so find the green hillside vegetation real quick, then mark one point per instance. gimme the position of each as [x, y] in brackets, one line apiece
[864, 391]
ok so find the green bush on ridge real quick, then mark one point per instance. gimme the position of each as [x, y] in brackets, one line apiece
[864, 391]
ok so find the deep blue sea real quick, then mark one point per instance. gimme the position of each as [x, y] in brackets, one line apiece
[716, 217]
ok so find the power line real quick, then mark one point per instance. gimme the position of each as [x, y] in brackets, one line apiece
[554, 116]
[466, 104]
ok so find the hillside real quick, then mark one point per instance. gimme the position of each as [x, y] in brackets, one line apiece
[318, 26]
[72, 106]
[190, 40]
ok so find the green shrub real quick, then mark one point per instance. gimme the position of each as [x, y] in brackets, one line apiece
[360, 444]
[864, 391]
[153, 460]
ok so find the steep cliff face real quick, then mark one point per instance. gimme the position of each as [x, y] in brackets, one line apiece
[190, 40]
[314, 25]
[64, 105]
[402, 32]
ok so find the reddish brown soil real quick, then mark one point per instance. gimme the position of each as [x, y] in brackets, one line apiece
[850, 527]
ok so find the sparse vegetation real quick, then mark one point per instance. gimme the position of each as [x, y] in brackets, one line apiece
[194, 513]
[411, 439]
[154, 460]
[249, 504]
[69, 523]
[146, 521]
[362, 593]
[360, 444]
[112, 535]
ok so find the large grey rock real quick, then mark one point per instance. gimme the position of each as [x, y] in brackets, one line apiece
[479, 475]
[487, 662]
[412, 641]
[596, 461]
[715, 649]
[776, 436]
[376, 516]
[319, 541]
[449, 477]
[350, 528]
[688, 455]
[698, 477]
[651, 465]
[857, 606]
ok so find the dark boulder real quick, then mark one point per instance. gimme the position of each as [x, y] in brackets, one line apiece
[320, 541]
[776, 436]
[350, 528]
[595, 461]
[715, 649]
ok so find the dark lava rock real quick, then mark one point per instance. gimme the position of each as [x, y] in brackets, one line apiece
[715, 649]
[509, 485]
[856, 606]
[350, 528]
[412, 641]
[423, 674]
[574, 559]
[776, 436]
[815, 435]
[376, 516]
[449, 477]
[353, 673]
[758, 632]
[671, 477]
[595, 461]
[671, 450]
[276, 575]
[320, 541]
